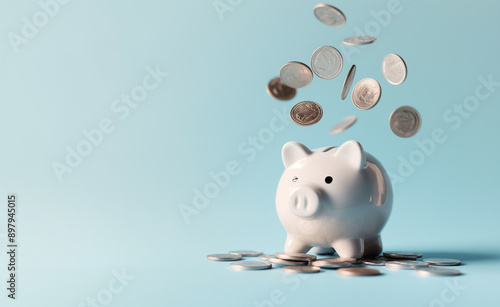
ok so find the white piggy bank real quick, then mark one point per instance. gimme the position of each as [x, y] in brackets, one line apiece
[335, 197]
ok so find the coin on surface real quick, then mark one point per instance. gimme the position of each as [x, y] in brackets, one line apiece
[360, 40]
[329, 15]
[358, 272]
[295, 256]
[399, 265]
[343, 124]
[296, 74]
[306, 113]
[338, 260]
[283, 262]
[265, 257]
[433, 271]
[301, 269]
[402, 255]
[405, 121]
[376, 262]
[326, 62]
[322, 250]
[331, 265]
[250, 265]
[442, 261]
[247, 253]
[224, 257]
[394, 69]
[279, 90]
[348, 82]
[366, 94]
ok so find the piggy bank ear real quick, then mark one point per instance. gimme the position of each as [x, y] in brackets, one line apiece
[352, 152]
[292, 152]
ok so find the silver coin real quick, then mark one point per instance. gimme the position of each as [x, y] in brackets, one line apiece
[296, 74]
[265, 257]
[398, 265]
[247, 253]
[326, 62]
[306, 113]
[343, 124]
[329, 15]
[348, 82]
[357, 272]
[442, 261]
[360, 40]
[279, 90]
[295, 256]
[301, 269]
[224, 257]
[430, 271]
[283, 262]
[366, 94]
[338, 260]
[405, 121]
[394, 69]
[402, 255]
[250, 265]
[376, 262]
[322, 250]
[330, 265]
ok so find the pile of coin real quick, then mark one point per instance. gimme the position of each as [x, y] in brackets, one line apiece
[327, 63]
[307, 263]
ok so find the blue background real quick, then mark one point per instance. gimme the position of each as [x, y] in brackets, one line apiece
[119, 209]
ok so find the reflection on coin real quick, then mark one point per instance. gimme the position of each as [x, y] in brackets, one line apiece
[358, 271]
[329, 15]
[442, 261]
[402, 255]
[394, 69]
[398, 265]
[376, 262]
[306, 113]
[366, 94]
[330, 265]
[295, 256]
[265, 257]
[322, 250]
[250, 265]
[224, 257]
[296, 74]
[405, 121]
[437, 271]
[348, 82]
[343, 125]
[301, 269]
[283, 262]
[360, 40]
[247, 253]
[279, 90]
[326, 62]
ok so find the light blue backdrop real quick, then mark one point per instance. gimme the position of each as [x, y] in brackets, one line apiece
[107, 228]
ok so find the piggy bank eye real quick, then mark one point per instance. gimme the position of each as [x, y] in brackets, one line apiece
[294, 179]
[328, 179]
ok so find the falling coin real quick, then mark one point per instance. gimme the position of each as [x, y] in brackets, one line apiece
[366, 94]
[343, 125]
[394, 69]
[348, 82]
[279, 90]
[360, 40]
[296, 74]
[250, 265]
[358, 272]
[326, 62]
[405, 121]
[306, 113]
[329, 15]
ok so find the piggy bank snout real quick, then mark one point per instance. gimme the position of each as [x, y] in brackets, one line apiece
[305, 201]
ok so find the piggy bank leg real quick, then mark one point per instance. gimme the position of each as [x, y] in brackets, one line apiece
[373, 246]
[349, 248]
[292, 245]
